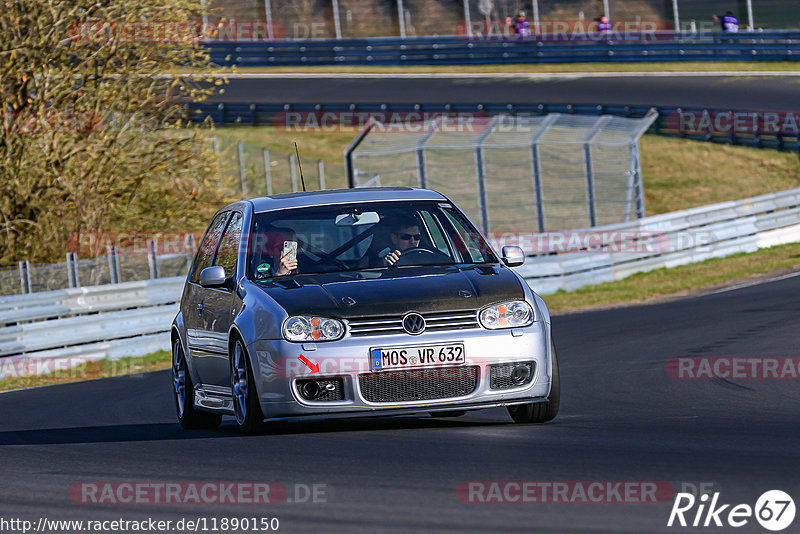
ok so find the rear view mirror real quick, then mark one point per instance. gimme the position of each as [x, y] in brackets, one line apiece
[513, 256]
[357, 219]
[213, 276]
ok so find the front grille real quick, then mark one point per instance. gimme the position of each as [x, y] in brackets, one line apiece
[393, 324]
[500, 375]
[418, 384]
[327, 395]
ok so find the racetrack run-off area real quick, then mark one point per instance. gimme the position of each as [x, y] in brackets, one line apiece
[624, 417]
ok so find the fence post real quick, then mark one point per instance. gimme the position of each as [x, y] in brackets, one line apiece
[336, 22]
[536, 166]
[321, 172]
[638, 186]
[292, 166]
[240, 147]
[467, 19]
[676, 16]
[402, 17]
[751, 25]
[588, 169]
[422, 168]
[152, 259]
[267, 174]
[480, 171]
[25, 276]
[72, 270]
[113, 264]
[268, 14]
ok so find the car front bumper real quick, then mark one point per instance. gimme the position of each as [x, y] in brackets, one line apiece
[277, 367]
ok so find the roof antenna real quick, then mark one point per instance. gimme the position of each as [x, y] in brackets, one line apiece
[300, 165]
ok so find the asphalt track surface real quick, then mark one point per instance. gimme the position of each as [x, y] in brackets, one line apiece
[622, 419]
[714, 91]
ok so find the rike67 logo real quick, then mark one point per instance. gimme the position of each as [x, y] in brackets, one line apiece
[774, 510]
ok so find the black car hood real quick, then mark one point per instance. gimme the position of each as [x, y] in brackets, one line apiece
[395, 291]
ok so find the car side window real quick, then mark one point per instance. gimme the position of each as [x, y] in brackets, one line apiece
[229, 245]
[439, 240]
[205, 254]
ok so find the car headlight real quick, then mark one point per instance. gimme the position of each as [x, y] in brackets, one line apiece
[309, 328]
[510, 314]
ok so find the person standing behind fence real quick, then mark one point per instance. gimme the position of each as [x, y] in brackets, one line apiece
[521, 25]
[603, 26]
[730, 24]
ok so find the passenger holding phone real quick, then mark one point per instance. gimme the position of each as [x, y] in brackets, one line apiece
[279, 253]
[288, 260]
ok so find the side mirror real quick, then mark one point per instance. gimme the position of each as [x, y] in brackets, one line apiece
[512, 256]
[213, 276]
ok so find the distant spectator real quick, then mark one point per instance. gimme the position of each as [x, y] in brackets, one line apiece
[521, 25]
[730, 24]
[603, 25]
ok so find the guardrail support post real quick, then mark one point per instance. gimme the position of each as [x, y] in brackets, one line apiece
[113, 264]
[240, 147]
[152, 259]
[72, 270]
[25, 276]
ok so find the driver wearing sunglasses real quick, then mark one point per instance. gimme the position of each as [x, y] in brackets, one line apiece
[405, 235]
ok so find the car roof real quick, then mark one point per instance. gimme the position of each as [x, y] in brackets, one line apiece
[341, 196]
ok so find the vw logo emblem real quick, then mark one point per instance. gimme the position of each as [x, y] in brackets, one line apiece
[414, 324]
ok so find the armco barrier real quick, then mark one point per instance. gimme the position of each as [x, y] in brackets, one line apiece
[135, 317]
[558, 48]
[682, 237]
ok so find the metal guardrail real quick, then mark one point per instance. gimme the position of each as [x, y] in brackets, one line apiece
[670, 239]
[18, 309]
[494, 49]
[74, 333]
[668, 123]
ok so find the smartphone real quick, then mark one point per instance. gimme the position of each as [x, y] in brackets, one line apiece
[289, 250]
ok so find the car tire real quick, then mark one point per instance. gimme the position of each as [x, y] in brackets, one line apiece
[246, 407]
[189, 417]
[541, 412]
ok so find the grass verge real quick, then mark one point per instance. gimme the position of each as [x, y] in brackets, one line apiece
[535, 68]
[686, 280]
[91, 370]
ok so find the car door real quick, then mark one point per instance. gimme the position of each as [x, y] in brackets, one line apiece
[218, 310]
[193, 304]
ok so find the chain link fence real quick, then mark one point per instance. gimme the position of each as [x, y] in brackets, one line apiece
[253, 171]
[317, 19]
[515, 173]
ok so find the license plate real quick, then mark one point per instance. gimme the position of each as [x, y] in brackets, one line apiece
[421, 356]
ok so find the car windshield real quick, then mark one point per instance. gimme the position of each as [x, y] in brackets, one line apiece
[361, 236]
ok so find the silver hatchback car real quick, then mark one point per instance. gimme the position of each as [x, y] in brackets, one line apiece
[353, 302]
